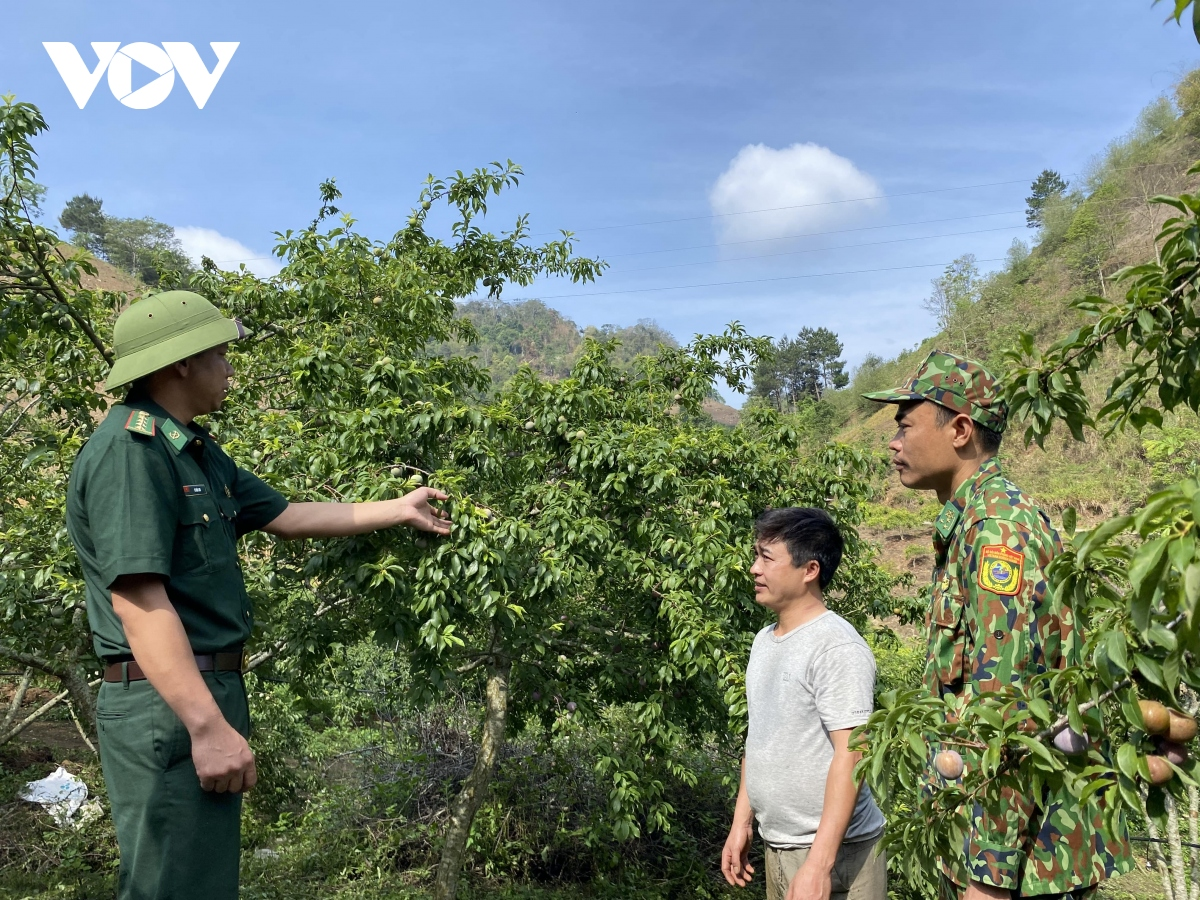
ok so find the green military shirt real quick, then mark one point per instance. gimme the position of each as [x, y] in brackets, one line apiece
[150, 495]
[993, 622]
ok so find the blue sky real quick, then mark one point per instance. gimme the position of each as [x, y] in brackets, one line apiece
[621, 114]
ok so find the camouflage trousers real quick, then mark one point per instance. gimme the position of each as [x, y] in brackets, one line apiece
[951, 891]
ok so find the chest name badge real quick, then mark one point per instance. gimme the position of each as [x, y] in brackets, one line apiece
[1000, 569]
[193, 490]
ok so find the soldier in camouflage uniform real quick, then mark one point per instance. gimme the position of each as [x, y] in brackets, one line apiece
[993, 621]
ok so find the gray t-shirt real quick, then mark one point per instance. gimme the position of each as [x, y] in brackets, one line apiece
[817, 678]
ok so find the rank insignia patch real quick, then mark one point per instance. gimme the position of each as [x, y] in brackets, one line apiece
[1000, 569]
[193, 490]
[140, 422]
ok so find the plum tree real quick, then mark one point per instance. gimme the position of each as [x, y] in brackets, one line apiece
[598, 566]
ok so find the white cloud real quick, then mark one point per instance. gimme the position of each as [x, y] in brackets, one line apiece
[807, 178]
[226, 252]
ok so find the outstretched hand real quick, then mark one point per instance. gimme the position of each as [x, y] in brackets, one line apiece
[418, 512]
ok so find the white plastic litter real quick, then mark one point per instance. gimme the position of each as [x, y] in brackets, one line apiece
[62, 795]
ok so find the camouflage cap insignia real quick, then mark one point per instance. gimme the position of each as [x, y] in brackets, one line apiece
[193, 490]
[1000, 569]
[140, 422]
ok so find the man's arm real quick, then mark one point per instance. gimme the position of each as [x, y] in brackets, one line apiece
[323, 520]
[999, 658]
[735, 858]
[814, 880]
[221, 755]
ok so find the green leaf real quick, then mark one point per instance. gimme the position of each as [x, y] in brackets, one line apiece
[1127, 761]
[1069, 519]
[1191, 582]
[1150, 670]
[1114, 643]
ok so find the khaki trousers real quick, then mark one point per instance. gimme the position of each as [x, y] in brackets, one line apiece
[859, 872]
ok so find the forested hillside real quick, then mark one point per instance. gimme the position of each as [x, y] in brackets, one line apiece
[1085, 235]
[529, 332]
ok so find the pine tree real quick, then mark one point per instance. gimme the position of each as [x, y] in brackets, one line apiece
[1047, 185]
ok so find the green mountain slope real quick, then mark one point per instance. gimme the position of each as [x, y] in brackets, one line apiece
[529, 332]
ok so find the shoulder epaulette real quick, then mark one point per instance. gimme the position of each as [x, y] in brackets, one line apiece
[140, 422]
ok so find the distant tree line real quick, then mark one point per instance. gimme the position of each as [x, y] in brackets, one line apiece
[144, 248]
[800, 368]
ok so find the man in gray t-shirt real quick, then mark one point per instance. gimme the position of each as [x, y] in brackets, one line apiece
[810, 682]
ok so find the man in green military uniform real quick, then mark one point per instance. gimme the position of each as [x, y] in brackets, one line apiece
[155, 508]
[993, 621]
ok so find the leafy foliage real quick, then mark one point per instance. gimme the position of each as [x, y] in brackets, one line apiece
[598, 569]
[1048, 184]
[1133, 582]
[145, 248]
[801, 367]
[508, 335]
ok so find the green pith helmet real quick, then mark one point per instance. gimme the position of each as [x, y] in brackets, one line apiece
[163, 329]
[959, 384]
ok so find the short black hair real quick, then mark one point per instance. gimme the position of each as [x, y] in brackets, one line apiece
[989, 439]
[809, 534]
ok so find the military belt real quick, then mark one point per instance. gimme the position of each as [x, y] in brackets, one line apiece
[225, 661]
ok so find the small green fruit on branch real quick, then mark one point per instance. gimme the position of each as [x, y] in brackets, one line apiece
[1182, 728]
[1160, 770]
[949, 764]
[1155, 716]
[1175, 753]
[1071, 742]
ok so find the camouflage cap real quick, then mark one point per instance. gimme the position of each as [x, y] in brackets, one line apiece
[959, 384]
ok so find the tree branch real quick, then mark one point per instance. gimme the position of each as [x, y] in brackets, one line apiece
[28, 659]
[83, 324]
[18, 698]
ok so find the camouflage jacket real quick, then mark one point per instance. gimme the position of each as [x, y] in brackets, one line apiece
[992, 622]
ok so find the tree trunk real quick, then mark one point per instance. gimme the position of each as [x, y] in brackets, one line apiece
[1156, 855]
[1175, 844]
[1194, 838]
[74, 676]
[469, 799]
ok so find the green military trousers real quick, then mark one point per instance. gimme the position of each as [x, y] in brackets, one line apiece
[177, 841]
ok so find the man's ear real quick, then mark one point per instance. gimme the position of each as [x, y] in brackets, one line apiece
[812, 571]
[964, 430]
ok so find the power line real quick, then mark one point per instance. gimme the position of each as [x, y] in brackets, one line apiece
[929, 237]
[964, 187]
[786, 237]
[682, 287]
[746, 212]
[783, 237]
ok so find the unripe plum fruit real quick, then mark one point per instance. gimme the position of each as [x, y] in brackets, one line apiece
[1155, 716]
[949, 764]
[1175, 753]
[1181, 728]
[1160, 770]
[571, 707]
[1071, 742]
